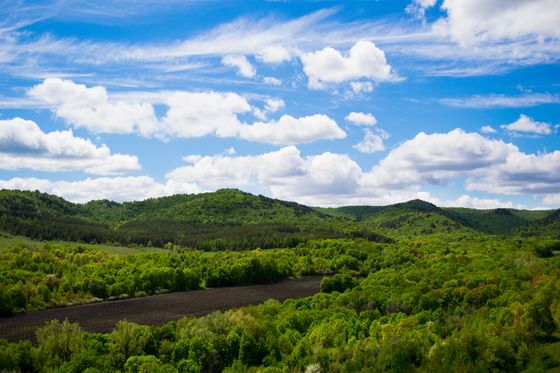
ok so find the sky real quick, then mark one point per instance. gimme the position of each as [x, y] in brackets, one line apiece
[325, 103]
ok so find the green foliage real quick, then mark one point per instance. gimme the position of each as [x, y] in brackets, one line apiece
[339, 282]
[58, 342]
[52, 275]
[226, 219]
[442, 296]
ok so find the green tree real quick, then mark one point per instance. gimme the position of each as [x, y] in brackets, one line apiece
[57, 342]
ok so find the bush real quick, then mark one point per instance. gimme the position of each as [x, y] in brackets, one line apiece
[339, 282]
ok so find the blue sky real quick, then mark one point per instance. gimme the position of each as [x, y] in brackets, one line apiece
[321, 102]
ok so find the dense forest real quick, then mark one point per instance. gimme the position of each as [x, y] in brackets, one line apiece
[407, 287]
[227, 219]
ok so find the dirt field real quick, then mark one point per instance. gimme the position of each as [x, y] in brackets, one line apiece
[157, 309]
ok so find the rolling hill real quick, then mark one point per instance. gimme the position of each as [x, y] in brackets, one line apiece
[420, 217]
[230, 218]
[223, 219]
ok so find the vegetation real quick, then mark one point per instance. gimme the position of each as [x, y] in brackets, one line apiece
[226, 219]
[442, 294]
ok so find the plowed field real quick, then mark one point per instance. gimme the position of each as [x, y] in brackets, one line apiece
[157, 309]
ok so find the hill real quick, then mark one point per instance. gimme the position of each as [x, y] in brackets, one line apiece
[421, 217]
[500, 221]
[223, 219]
[549, 226]
[415, 217]
[230, 218]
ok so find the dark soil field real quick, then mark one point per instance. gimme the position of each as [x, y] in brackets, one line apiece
[158, 309]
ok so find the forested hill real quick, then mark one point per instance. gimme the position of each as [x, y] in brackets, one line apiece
[230, 218]
[223, 219]
[423, 217]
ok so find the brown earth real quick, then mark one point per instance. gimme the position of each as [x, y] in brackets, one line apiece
[158, 309]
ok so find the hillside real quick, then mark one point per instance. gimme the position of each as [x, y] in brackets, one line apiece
[223, 219]
[230, 218]
[500, 221]
[548, 226]
[420, 217]
[410, 218]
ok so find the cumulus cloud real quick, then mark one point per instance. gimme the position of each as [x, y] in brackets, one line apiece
[271, 105]
[436, 158]
[521, 173]
[197, 114]
[364, 60]
[23, 145]
[290, 130]
[335, 179]
[361, 119]
[331, 179]
[527, 124]
[476, 21]
[488, 129]
[188, 115]
[283, 173]
[372, 142]
[131, 188]
[91, 108]
[274, 54]
[245, 68]
[468, 201]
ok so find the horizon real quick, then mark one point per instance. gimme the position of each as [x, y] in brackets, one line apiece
[354, 104]
[281, 200]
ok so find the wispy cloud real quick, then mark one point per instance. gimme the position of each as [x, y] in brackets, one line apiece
[409, 45]
[502, 101]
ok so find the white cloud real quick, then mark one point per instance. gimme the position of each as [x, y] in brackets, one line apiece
[197, 114]
[289, 130]
[359, 87]
[476, 21]
[245, 68]
[437, 158]
[271, 105]
[270, 80]
[502, 101]
[527, 124]
[372, 142]
[282, 174]
[91, 108]
[417, 8]
[363, 119]
[188, 115]
[130, 188]
[274, 54]
[487, 129]
[521, 173]
[331, 179]
[428, 51]
[481, 203]
[23, 145]
[364, 60]
[552, 199]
